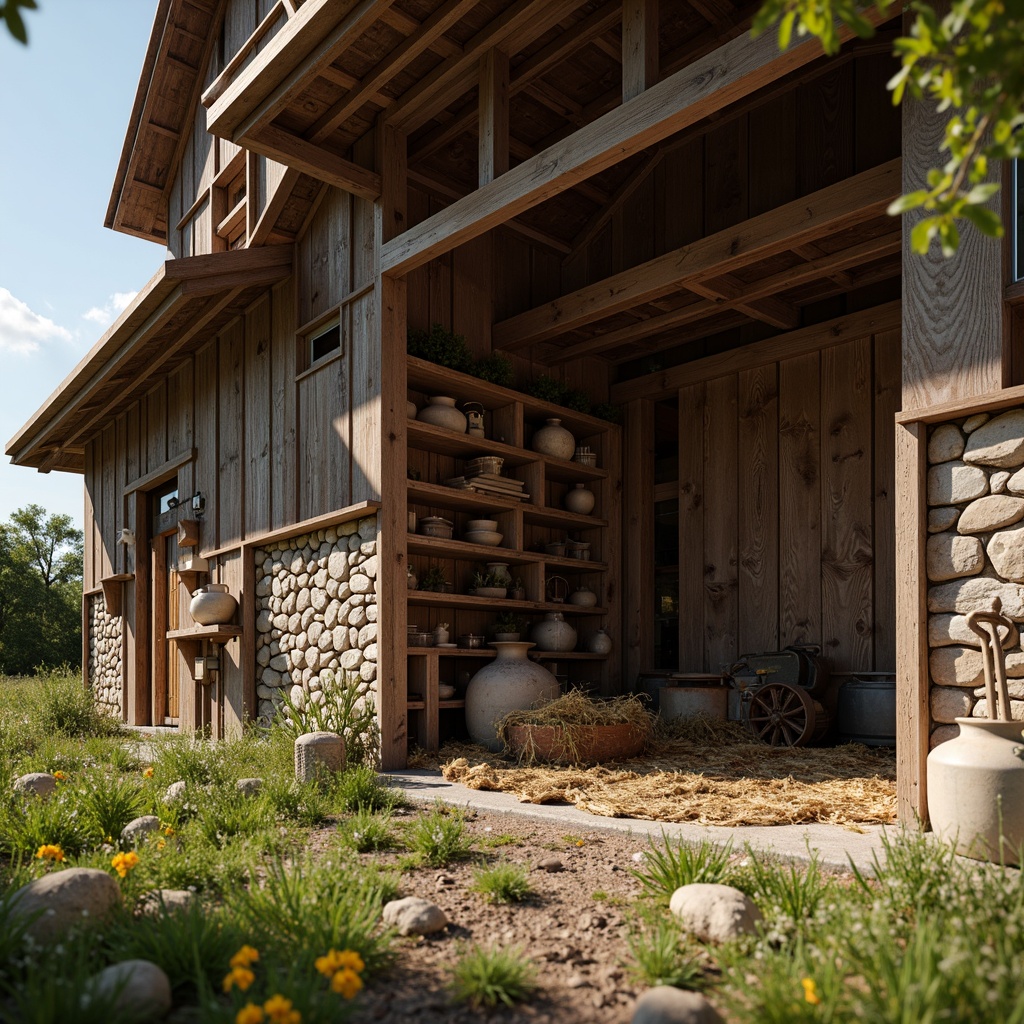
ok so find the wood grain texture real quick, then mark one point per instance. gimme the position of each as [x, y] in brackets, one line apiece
[639, 47]
[257, 417]
[639, 527]
[230, 403]
[887, 356]
[493, 133]
[757, 466]
[691, 528]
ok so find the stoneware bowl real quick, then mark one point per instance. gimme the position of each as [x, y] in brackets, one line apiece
[482, 524]
[490, 537]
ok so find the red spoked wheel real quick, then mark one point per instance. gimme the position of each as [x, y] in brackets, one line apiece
[781, 715]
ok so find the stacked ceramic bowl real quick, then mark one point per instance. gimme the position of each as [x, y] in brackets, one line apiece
[483, 531]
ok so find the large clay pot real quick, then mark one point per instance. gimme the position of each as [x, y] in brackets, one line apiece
[583, 597]
[441, 412]
[577, 744]
[212, 605]
[509, 683]
[554, 440]
[553, 633]
[580, 500]
[976, 789]
[600, 643]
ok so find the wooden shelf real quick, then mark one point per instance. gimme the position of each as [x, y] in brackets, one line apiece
[558, 517]
[419, 705]
[218, 634]
[429, 599]
[436, 547]
[489, 652]
[439, 496]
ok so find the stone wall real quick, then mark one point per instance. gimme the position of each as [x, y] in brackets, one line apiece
[104, 668]
[975, 553]
[316, 608]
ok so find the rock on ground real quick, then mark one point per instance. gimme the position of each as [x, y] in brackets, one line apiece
[65, 899]
[157, 900]
[715, 913]
[37, 783]
[143, 990]
[414, 915]
[138, 828]
[668, 1005]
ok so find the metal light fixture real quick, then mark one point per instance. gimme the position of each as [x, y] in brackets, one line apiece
[198, 505]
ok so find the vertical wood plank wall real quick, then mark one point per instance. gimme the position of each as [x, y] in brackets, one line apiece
[273, 444]
[786, 476]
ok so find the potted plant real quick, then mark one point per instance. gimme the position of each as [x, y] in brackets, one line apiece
[508, 627]
[488, 583]
[436, 580]
[517, 591]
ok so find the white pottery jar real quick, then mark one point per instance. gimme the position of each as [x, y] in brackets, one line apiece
[441, 412]
[583, 597]
[554, 440]
[499, 570]
[441, 634]
[410, 408]
[411, 578]
[212, 605]
[580, 500]
[976, 785]
[553, 633]
[599, 643]
[509, 683]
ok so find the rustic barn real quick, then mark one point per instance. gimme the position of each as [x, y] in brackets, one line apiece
[676, 235]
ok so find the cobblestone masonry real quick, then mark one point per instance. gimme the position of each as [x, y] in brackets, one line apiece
[104, 656]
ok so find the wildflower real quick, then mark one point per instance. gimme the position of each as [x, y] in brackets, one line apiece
[238, 977]
[346, 983]
[168, 830]
[148, 772]
[50, 851]
[810, 991]
[335, 961]
[122, 863]
[249, 1014]
[279, 1010]
[580, 842]
[245, 957]
[60, 776]
[160, 844]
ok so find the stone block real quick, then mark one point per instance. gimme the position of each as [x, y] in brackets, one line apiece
[1000, 442]
[991, 513]
[953, 483]
[950, 556]
[946, 443]
[318, 752]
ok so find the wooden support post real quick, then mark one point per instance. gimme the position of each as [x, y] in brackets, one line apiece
[913, 721]
[494, 133]
[389, 220]
[639, 47]
[638, 631]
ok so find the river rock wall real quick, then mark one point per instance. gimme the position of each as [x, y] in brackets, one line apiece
[316, 614]
[104, 661]
[975, 552]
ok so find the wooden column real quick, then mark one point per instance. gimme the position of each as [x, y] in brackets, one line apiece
[639, 47]
[390, 220]
[638, 474]
[493, 133]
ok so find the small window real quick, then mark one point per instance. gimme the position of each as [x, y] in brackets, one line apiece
[324, 341]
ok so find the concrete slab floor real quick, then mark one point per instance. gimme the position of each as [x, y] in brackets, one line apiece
[836, 846]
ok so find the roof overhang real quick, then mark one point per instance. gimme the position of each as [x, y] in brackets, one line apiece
[187, 302]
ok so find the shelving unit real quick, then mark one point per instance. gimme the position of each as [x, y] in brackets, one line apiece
[435, 455]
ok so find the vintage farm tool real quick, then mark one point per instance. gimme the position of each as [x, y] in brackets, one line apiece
[997, 695]
[787, 696]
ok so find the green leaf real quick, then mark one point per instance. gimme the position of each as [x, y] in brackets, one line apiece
[786, 30]
[15, 24]
[950, 239]
[985, 220]
[922, 235]
[982, 193]
[911, 201]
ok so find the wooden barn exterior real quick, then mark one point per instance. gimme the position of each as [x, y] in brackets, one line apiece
[632, 197]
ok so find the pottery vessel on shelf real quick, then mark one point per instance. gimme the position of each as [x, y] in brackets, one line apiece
[599, 643]
[441, 633]
[509, 683]
[553, 633]
[481, 524]
[580, 500]
[445, 691]
[411, 578]
[490, 591]
[212, 605]
[554, 440]
[441, 412]
[506, 638]
[583, 597]
[499, 572]
[411, 409]
[490, 537]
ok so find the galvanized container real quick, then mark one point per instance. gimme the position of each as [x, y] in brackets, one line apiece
[693, 696]
[866, 711]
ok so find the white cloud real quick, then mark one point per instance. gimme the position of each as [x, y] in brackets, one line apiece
[22, 330]
[106, 313]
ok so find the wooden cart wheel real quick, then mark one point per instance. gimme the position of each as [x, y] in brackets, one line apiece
[781, 715]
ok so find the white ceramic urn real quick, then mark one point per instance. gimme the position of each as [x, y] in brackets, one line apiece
[553, 633]
[509, 683]
[599, 643]
[580, 499]
[212, 605]
[441, 412]
[976, 789]
[553, 439]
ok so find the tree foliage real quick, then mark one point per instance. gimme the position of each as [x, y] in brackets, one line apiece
[969, 63]
[10, 15]
[40, 592]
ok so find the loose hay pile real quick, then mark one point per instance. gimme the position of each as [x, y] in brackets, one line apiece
[707, 772]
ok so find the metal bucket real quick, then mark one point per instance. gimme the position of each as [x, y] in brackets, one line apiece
[687, 701]
[866, 712]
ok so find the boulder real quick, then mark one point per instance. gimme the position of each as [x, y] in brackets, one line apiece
[141, 989]
[946, 443]
[950, 556]
[1000, 442]
[64, 899]
[990, 513]
[715, 913]
[952, 483]
[965, 596]
[414, 915]
[153, 902]
[948, 703]
[1005, 550]
[36, 783]
[175, 792]
[138, 828]
[667, 1005]
[317, 752]
[249, 787]
[955, 666]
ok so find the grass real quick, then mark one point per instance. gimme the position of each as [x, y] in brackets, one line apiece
[502, 883]
[669, 865]
[484, 977]
[439, 837]
[660, 954]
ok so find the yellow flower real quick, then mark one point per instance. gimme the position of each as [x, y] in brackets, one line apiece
[245, 957]
[238, 977]
[122, 863]
[148, 772]
[346, 983]
[279, 1010]
[60, 776]
[50, 851]
[249, 1014]
[810, 991]
[160, 844]
[168, 830]
[334, 961]
[580, 842]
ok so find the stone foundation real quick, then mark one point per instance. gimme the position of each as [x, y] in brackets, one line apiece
[104, 667]
[975, 552]
[316, 607]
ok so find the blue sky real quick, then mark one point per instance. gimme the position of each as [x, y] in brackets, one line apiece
[63, 276]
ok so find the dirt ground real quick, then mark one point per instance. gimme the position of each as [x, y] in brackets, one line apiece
[573, 929]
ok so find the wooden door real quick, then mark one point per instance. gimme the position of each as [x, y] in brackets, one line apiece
[165, 609]
[173, 662]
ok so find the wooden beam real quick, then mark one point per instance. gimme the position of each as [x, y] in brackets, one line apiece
[494, 127]
[639, 47]
[768, 310]
[638, 485]
[267, 222]
[297, 153]
[785, 346]
[846, 203]
[732, 72]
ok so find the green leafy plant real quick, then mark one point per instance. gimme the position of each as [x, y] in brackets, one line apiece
[509, 622]
[441, 346]
[435, 580]
[660, 953]
[490, 578]
[359, 788]
[486, 977]
[503, 882]
[607, 411]
[367, 831]
[546, 388]
[791, 892]
[496, 368]
[668, 866]
[439, 837]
